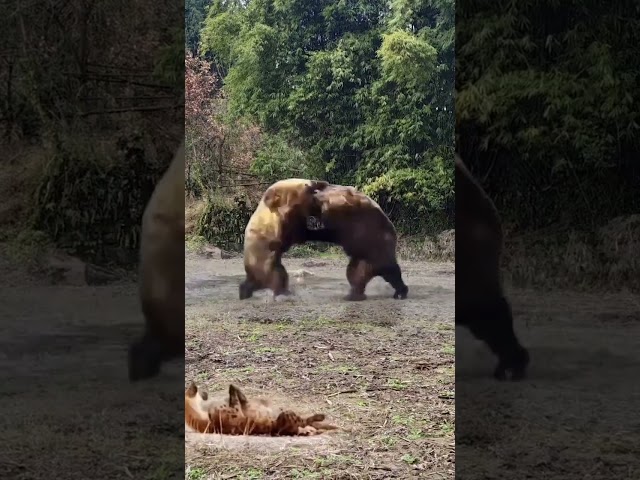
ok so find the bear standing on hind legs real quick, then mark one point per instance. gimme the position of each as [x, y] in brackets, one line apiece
[279, 221]
[161, 275]
[480, 302]
[357, 223]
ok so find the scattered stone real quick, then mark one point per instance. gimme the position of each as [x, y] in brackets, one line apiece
[226, 255]
[302, 273]
[64, 269]
[314, 263]
[95, 275]
[210, 251]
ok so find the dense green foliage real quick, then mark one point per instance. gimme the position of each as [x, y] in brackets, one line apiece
[546, 101]
[194, 14]
[90, 202]
[357, 92]
[224, 223]
[77, 78]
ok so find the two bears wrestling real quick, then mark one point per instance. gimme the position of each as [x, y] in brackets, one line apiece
[349, 219]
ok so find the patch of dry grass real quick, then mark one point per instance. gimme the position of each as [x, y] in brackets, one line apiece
[605, 260]
[194, 209]
[22, 167]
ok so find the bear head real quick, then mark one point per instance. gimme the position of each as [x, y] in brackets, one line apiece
[294, 197]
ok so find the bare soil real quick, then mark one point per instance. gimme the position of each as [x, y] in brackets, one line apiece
[382, 369]
[68, 409]
[577, 416]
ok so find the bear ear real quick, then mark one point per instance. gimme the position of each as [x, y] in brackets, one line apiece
[271, 198]
[317, 186]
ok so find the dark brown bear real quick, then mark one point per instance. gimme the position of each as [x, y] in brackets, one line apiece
[480, 302]
[357, 223]
[161, 275]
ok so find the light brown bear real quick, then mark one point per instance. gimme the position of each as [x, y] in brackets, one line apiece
[356, 222]
[279, 221]
[161, 275]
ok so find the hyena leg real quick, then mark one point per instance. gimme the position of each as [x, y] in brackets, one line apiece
[288, 423]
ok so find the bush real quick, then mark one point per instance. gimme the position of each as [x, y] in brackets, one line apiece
[90, 200]
[223, 223]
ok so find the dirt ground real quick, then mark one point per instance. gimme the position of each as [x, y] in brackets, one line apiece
[577, 416]
[63, 349]
[382, 369]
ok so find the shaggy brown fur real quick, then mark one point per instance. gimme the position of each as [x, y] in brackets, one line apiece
[357, 223]
[236, 415]
[480, 302]
[279, 221]
[161, 275]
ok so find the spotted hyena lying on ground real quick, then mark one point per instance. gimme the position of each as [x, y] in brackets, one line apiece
[236, 415]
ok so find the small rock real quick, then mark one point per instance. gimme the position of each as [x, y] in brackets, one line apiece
[211, 252]
[95, 275]
[302, 273]
[65, 269]
[314, 263]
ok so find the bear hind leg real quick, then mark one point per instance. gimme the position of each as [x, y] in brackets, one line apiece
[158, 345]
[393, 275]
[249, 285]
[359, 273]
[493, 324]
[246, 289]
[145, 358]
[279, 280]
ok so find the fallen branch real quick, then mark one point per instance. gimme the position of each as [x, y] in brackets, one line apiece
[258, 184]
[129, 110]
[354, 390]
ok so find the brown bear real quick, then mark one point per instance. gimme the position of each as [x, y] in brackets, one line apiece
[357, 223]
[279, 221]
[161, 275]
[480, 302]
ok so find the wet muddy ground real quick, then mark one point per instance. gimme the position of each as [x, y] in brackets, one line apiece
[381, 369]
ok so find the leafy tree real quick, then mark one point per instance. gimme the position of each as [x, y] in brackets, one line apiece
[194, 14]
[363, 90]
[571, 67]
